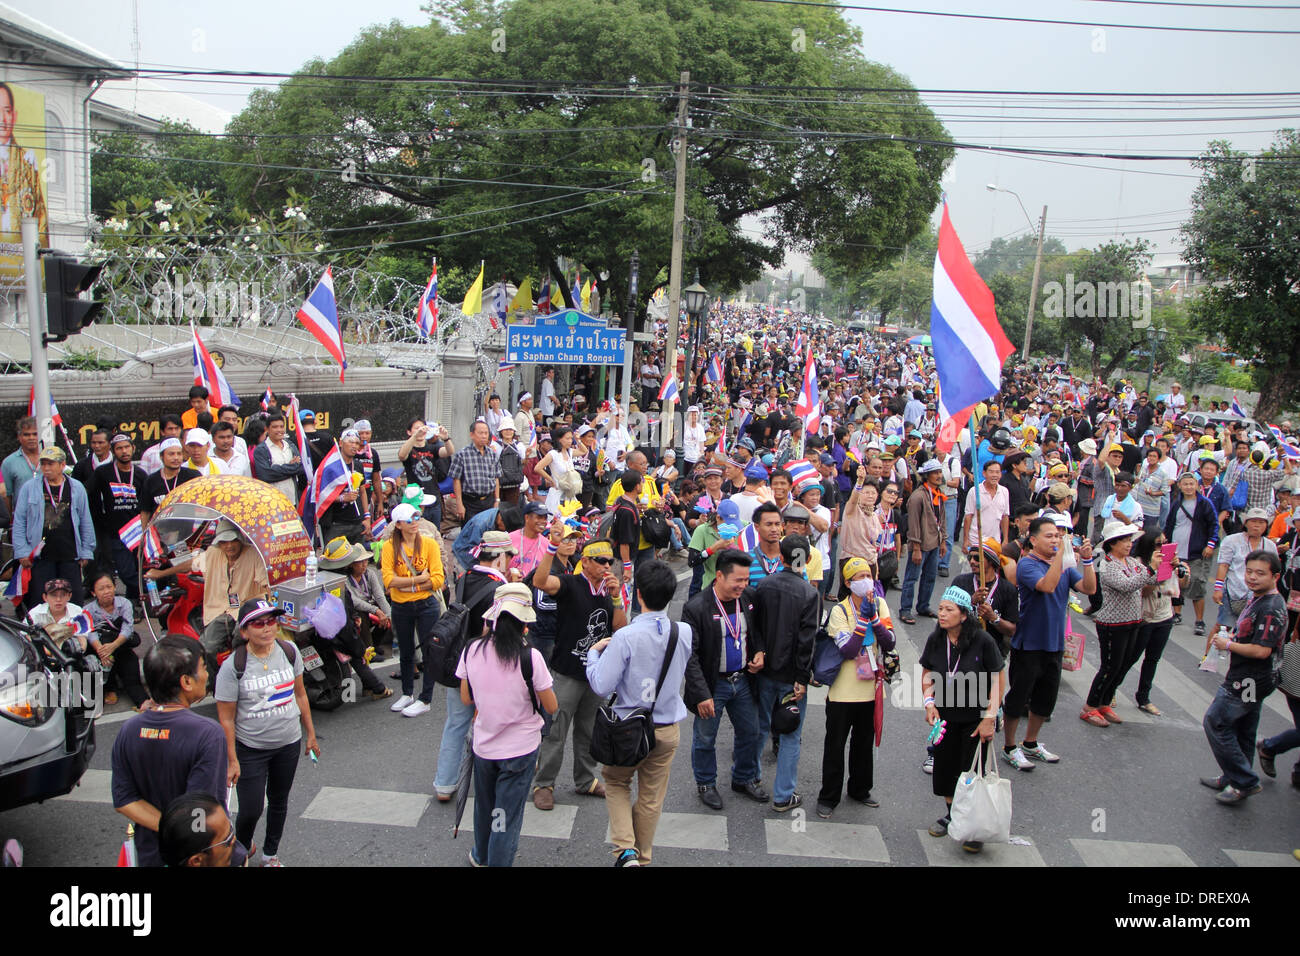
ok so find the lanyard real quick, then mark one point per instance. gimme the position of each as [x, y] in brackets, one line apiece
[595, 589]
[952, 668]
[55, 500]
[130, 474]
[769, 567]
[493, 573]
[730, 622]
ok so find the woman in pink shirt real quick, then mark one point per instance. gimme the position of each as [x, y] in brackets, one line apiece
[507, 681]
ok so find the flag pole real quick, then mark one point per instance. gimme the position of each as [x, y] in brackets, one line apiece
[979, 480]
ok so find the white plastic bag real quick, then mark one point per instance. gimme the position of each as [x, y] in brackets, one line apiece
[1211, 662]
[981, 804]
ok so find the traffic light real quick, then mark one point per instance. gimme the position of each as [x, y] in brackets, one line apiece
[67, 313]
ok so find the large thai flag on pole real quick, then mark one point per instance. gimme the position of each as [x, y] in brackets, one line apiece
[333, 477]
[969, 344]
[668, 390]
[320, 314]
[426, 321]
[209, 376]
[304, 450]
[809, 403]
[714, 371]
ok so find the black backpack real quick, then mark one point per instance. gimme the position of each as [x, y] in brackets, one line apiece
[450, 635]
[512, 467]
[605, 527]
[241, 654]
[526, 669]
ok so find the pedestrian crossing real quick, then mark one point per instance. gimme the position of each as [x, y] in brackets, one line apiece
[797, 836]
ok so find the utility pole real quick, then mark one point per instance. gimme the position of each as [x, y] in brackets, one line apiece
[36, 331]
[1033, 288]
[675, 267]
[629, 333]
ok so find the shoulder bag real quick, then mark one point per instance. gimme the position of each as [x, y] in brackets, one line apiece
[626, 741]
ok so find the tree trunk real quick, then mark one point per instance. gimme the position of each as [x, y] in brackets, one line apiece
[1096, 362]
[1273, 390]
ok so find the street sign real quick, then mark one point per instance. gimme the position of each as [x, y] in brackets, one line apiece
[568, 337]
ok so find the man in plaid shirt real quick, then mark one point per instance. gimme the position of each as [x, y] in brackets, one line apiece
[476, 473]
[1260, 483]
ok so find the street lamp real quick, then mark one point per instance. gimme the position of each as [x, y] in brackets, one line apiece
[696, 299]
[1038, 260]
[1155, 337]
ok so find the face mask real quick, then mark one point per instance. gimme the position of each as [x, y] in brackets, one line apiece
[862, 587]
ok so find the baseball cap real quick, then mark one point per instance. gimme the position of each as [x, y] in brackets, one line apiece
[197, 436]
[251, 610]
[52, 454]
[1255, 513]
[756, 470]
[534, 508]
[57, 584]
[306, 415]
[728, 510]
[1059, 491]
[404, 513]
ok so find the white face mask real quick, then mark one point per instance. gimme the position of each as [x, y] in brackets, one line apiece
[862, 587]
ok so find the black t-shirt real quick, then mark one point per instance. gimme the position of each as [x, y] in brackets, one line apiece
[477, 597]
[1132, 458]
[157, 488]
[60, 540]
[422, 467]
[1263, 621]
[118, 494]
[960, 693]
[319, 442]
[626, 528]
[1003, 598]
[582, 619]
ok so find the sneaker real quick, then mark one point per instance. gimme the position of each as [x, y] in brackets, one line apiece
[794, 801]
[1016, 757]
[973, 846]
[1230, 795]
[928, 766]
[472, 861]
[402, 703]
[272, 860]
[1199, 629]
[1266, 760]
[824, 810]
[940, 827]
[628, 857]
[1039, 752]
[868, 801]
[416, 708]
[1178, 619]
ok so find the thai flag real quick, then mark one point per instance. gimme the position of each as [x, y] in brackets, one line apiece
[132, 533]
[281, 694]
[268, 398]
[850, 376]
[544, 296]
[83, 623]
[1289, 451]
[1277, 432]
[426, 319]
[800, 471]
[808, 407]
[748, 540]
[668, 390]
[379, 527]
[968, 343]
[153, 546]
[1236, 408]
[501, 302]
[209, 376]
[18, 584]
[320, 314]
[798, 343]
[333, 477]
[126, 856]
[577, 289]
[505, 366]
[714, 372]
[304, 452]
[721, 447]
[55, 419]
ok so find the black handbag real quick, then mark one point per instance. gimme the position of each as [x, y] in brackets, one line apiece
[626, 741]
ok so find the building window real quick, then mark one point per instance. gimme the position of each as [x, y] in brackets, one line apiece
[56, 159]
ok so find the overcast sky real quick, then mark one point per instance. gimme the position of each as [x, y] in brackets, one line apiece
[1089, 199]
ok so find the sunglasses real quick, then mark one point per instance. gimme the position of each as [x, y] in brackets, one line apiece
[230, 838]
[269, 621]
[604, 561]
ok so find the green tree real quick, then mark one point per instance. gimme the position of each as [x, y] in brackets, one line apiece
[458, 168]
[1014, 255]
[1244, 237]
[125, 166]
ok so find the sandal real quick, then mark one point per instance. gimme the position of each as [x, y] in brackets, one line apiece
[1109, 713]
[1151, 709]
[1094, 717]
[907, 619]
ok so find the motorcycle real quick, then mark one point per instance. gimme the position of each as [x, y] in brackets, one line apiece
[186, 523]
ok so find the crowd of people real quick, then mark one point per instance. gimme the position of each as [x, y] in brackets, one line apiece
[557, 529]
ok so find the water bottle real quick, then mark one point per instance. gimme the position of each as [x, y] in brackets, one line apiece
[311, 569]
[155, 599]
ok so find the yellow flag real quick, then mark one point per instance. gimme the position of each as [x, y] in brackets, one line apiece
[748, 343]
[523, 298]
[586, 297]
[474, 297]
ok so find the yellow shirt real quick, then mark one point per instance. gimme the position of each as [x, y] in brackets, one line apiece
[426, 556]
[848, 688]
[650, 498]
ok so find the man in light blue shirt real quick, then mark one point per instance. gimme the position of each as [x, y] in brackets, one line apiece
[1122, 506]
[630, 665]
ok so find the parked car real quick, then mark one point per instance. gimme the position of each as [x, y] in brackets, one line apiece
[50, 696]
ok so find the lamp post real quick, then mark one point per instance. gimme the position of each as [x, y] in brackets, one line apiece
[696, 299]
[1154, 337]
[1038, 260]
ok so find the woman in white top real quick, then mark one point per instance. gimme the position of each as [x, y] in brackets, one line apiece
[58, 609]
[554, 464]
[617, 439]
[692, 438]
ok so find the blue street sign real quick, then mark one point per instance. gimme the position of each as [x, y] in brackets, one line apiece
[566, 338]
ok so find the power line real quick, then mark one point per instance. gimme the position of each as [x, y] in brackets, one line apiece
[1033, 20]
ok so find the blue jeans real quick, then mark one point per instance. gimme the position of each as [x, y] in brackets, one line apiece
[787, 757]
[680, 535]
[1287, 739]
[500, 791]
[926, 571]
[949, 528]
[410, 617]
[737, 700]
[1230, 726]
[459, 717]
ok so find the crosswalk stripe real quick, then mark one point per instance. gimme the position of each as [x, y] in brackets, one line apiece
[690, 831]
[945, 851]
[1256, 858]
[1119, 853]
[556, 824]
[356, 805]
[798, 836]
